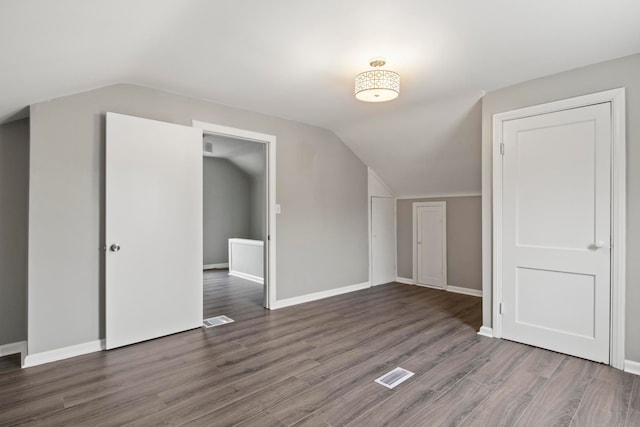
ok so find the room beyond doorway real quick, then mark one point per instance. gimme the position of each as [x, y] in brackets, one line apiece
[269, 143]
[234, 212]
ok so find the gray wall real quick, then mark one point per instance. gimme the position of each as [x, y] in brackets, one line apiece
[258, 202]
[623, 72]
[464, 239]
[14, 188]
[321, 185]
[226, 207]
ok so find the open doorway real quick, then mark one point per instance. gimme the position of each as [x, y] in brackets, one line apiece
[234, 221]
[238, 222]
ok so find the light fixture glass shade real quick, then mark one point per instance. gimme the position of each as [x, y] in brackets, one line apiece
[377, 85]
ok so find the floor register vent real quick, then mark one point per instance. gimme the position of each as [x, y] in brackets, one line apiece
[395, 377]
[216, 321]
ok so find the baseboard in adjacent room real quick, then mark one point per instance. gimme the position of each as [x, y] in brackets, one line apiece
[246, 276]
[13, 348]
[318, 295]
[62, 353]
[486, 331]
[405, 281]
[215, 266]
[632, 367]
[465, 291]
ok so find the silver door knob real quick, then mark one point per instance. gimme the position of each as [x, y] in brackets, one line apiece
[115, 247]
[598, 244]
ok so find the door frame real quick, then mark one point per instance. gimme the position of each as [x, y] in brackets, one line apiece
[270, 199]
[415, 206]
[618, 210]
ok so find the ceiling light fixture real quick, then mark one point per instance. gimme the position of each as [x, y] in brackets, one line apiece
[377, 85]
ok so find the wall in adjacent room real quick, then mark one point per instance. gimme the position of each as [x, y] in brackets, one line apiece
[14, 190]
[464, 239]
[227, 206]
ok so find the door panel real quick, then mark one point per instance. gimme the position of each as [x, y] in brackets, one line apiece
[383, 240]
[154, 214]
[556, 231]
[431, 250]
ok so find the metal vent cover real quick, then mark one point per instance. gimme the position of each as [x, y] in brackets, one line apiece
[394, 377]
[216, 321]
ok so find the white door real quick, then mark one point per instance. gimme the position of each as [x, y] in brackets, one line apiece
[556, 231]
[383, 246]
[153, 229]
[430, 243]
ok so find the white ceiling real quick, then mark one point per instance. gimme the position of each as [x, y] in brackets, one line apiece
[249, 156]
[297, 59]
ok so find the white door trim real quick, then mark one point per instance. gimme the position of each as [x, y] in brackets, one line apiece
[270, 244]
[618, 210]
[415, 207]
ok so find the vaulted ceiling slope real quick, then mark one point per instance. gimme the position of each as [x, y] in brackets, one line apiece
[297, 59]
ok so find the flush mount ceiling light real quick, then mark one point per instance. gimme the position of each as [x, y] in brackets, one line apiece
[377, 85]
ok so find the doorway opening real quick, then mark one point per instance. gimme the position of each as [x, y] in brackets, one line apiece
[238, 221]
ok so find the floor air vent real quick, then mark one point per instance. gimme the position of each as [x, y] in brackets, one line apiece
[216, 321]
[395, 377]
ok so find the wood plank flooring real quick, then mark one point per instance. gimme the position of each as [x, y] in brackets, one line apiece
[234, 297]
[314, 365]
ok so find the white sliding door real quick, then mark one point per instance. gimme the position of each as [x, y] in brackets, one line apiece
[153, 229]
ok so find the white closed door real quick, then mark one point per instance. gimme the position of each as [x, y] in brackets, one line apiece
[556, 231]
[153, 229]
[431, 244]
[383, 246]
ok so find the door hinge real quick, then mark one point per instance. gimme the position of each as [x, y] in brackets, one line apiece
[268, 237]
[500, 308]
[502, 148]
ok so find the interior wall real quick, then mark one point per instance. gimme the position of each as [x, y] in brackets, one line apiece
[320, 184]
[227, 206]
[623, 72]
[14, 188]
[258, 202]
[464, 239]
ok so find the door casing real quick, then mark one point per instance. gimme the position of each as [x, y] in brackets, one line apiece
[618, 208]
[270, 199]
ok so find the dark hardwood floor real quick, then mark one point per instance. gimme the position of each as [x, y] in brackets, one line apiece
[314, 365]
[236, 298]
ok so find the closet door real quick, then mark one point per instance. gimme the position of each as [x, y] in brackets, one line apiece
[153, 229]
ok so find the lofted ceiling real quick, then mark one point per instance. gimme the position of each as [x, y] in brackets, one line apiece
[248, 156]
[297, 60]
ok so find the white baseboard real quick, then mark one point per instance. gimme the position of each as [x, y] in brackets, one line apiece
[214, 266]
[486, 331]
[449, 288]
[439, 288]
[14, 348]
[318, 295]
[247, 276]
[632, 367]
[62, 353]
[465, 291]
